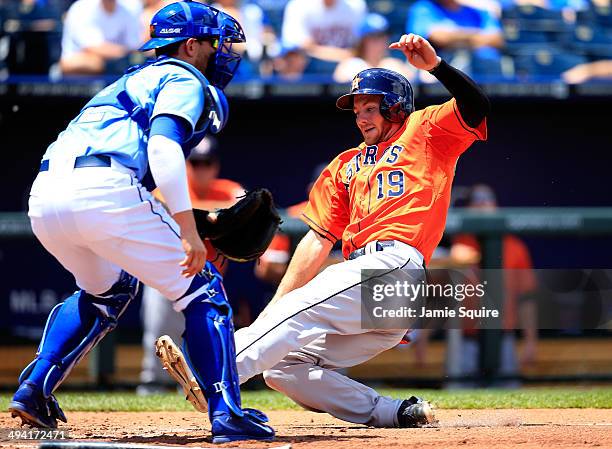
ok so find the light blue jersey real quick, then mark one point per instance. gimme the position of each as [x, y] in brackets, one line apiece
[104, 127]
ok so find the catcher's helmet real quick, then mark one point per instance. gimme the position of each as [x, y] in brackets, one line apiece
[188, 19]
[397, 99]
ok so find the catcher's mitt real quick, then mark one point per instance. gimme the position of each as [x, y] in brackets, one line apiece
[243, 231]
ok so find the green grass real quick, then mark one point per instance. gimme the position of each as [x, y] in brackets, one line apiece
[599, 397]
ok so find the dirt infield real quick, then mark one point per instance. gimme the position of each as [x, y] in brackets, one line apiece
[527, 428]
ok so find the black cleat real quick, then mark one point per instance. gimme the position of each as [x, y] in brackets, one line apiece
[415, 412]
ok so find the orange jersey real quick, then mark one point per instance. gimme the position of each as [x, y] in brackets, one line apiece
[396, 190]
[221, 190]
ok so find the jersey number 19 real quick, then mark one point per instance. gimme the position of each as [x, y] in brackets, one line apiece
[394, 185]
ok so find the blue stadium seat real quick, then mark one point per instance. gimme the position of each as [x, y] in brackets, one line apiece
[602, 14]
[546, 62]
[396, 12]
[527, 26]
[34, 34]
[594, 41]
[318, 66]
[533, 18]
[273, 10]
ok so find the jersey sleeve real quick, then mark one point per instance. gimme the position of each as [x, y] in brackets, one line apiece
[180, 95]
[327, 211]
[448, 132]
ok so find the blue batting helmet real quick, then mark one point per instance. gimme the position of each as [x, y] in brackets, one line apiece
[397, 98]
[188, 19]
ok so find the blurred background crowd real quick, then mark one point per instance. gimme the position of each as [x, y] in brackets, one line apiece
[330, 39]
[545, 152]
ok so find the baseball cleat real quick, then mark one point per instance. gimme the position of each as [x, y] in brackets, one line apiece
[227, 427]
[174, 362]
[415, 412]
[34, 410]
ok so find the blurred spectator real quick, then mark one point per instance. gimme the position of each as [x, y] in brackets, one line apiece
[149, 8]
[208, 192]
[135, 6]
[326, 29]
[97, 32]
[590, 71]
[469, 38]
[259, 35]
[493, 7]
[371, 51]
[291, 63]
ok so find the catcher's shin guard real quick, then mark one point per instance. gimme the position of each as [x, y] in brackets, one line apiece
[73, 328]
[208, 342]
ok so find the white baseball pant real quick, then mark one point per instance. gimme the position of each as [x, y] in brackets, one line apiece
[315, 330]
[97, 221]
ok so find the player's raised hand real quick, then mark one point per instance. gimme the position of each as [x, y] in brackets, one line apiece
[418, 51]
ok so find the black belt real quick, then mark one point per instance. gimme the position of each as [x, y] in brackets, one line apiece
[380, 245]
[94, 160]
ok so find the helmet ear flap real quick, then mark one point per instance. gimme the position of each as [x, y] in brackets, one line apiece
[394, 113]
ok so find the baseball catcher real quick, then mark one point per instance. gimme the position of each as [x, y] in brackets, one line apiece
[91, 207]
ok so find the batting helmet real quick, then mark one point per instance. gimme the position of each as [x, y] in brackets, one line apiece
[397, 101]
[188, 19]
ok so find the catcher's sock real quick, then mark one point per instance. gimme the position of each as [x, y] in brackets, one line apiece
[64, 332]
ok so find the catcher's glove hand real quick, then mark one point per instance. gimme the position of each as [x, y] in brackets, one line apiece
[244, 231]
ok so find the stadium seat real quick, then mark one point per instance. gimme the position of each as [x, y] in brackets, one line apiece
[593, 41]
[546, 62]
[318, 66]
[527, 27]
[533, 18]
[395, 12]
[34, 36]
[273, 10]
[602, 14]
[33, 52]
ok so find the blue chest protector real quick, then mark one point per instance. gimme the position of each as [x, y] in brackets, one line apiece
[116, 95]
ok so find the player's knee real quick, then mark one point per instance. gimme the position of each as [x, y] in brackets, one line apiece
[205, 286]
[274, 379]
[281, 380]
[114, 301]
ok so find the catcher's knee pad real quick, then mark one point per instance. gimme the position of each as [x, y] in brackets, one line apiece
[208, 344]
[73, 328]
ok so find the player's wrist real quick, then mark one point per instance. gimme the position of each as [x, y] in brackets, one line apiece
[436, 66]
